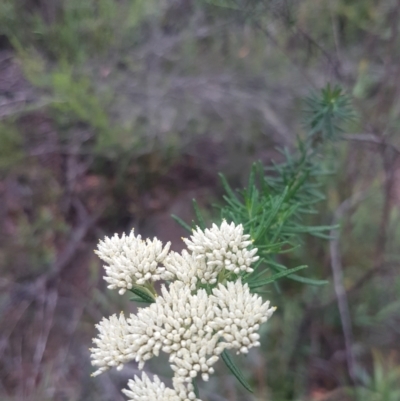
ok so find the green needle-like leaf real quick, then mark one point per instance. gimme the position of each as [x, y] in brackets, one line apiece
[229, 191]
[274, 277]
[235, 371]
[199, 216]
[306, 280]
[181, 223]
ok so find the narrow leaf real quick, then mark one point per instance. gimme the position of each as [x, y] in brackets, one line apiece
[228, 190]
[235, 371]
[275, 277]
[278, 267]
[234, 204]
[181, 223]
[297, 185]
[310, 229]
[305, 280]
[272, 214]
[248, 276]
[199, 216]
[138, 299]
[253, 277]
[262, 292]
[143, 293]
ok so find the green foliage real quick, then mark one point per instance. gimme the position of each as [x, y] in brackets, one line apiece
[383, 384]
[73, 30]
[64, 56]
[273, 206]
[74, 99]
[327, 111]
[255, 281]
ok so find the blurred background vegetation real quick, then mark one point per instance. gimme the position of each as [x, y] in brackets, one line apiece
[116, 113]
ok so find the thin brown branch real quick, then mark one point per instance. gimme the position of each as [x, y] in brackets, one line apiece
[340, 291]
[26, 294]
[370, 138]
[49, 307]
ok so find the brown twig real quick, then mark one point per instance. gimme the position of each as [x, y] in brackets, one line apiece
[49, 306]
[370, 138]
[45, 290]
[340, 291]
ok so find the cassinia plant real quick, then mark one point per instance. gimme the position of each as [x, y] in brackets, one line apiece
[204, 309]
[210, 300]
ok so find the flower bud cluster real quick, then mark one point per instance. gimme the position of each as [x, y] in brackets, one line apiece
[145, 390]
[221, 248]
[185, 268]
[189, 323]
[238, 315]
[132, 260]
[112, 343]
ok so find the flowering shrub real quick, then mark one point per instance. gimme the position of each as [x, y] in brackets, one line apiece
[210, 296]
[204, 307]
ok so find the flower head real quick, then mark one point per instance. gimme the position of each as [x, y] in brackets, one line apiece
[112, 344]
[178, 323]
[146, 390]
[184, 267]
[223, 247]
[132, 260]
[192, 325]
[238, 315]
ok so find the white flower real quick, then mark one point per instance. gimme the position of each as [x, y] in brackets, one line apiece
[132, 260]
[187, 326]
[178, 323]
[239, 314]
[223, 247]
[185, 267]
[146, 390]
[193, 327]
[145, 339]
[185, 391]
[111, 344]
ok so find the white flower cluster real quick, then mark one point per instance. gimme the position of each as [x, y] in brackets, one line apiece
[221, 248]
[132, 260]
[239, 314]
[190, 324]
[112, 344]
[178, 323]
[146, 390]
